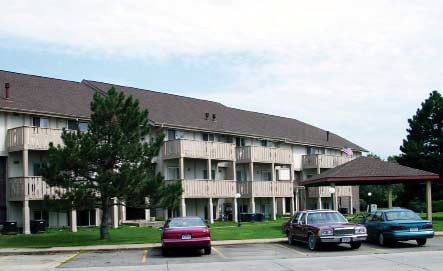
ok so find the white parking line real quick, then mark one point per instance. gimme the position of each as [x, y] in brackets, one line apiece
[145, 256]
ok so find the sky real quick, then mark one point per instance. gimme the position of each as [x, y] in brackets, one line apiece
[356, 68]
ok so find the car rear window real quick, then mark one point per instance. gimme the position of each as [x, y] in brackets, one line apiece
[188, 222]
[401, 215]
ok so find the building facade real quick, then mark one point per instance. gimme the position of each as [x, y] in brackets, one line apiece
[227, 160]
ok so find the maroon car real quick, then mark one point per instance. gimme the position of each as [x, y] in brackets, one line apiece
[317, 227]
[186, 232]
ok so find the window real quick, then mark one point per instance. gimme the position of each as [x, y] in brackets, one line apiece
[377, 217]
[264, 143]
[173, 173]
[40, 122]
[267, 175]
[302, 219]
[208, 137]
[205, 174]
[239, 141]
[83, 126]
[315, 150]
[72, 124]
[171, 134]
[240, 176]
[37, 168]
[295, 218]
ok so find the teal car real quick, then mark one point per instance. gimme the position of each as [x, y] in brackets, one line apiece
[397, 224]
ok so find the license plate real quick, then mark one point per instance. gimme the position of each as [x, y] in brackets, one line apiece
[346, 240]
[186, 236]
[413, 229]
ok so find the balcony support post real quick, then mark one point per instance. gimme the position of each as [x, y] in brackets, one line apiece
[73, 215]
[123, 212]
[115, 214]
[147, 210]
[319, 203]
[25, 162]
[251, 171]
[274, 209]
[297, 199]
[235, 211]
[181, 166]
[283, 205]
[209, 169]
[292, 206]
[273, 171]
[97, 217]
[234, 171]
[252, 204]
[26, 218]
[182, 207]
[210, 211]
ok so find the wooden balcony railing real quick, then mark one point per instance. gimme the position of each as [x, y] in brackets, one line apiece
[266, 188]
[324, 161]
[323, 191]
[208, 188]
[32, 138]
[29, 188]
[264, 155]
[198, 149]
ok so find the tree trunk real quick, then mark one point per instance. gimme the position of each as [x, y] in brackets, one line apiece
[104, 231]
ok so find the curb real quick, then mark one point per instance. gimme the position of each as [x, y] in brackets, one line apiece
[57, 250]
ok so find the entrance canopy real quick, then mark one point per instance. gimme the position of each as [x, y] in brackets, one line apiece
[369, 171]
[365, 170]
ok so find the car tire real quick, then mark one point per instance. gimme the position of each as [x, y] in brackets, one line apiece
[356, 245]
[312, 242]
[165, 252]
[207, 250]
[290, 239]
[381, 239]
[421, 242]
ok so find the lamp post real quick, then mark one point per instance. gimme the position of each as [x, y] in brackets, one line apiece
[237, 196]
[369, 202]
[332, 192]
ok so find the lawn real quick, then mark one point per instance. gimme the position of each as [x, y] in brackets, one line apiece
[135, 235]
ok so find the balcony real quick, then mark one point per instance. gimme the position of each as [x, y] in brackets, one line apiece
[208, 188]
[32, 138]
[324, 161]
[265, 189]
[323, 191]
[29, 188]
[198, 149]
[263, 155]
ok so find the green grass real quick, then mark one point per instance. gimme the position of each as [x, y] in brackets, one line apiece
[135, 235]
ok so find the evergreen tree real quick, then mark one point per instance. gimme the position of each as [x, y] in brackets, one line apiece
[423, 146]
[113, 159]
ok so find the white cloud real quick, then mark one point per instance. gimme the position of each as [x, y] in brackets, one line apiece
[356, 68]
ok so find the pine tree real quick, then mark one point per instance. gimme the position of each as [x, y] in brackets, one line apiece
[423, 146]
[113, 159]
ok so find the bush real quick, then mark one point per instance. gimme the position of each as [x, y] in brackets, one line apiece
[420, 206]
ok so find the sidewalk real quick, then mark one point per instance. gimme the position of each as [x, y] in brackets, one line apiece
[53, 250]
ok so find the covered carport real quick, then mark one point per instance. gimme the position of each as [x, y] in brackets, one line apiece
[369, 171]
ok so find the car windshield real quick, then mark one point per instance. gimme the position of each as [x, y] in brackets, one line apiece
[401, 215]
[326, 217]
[187, 222]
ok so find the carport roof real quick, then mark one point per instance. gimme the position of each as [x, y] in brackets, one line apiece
[364, 170]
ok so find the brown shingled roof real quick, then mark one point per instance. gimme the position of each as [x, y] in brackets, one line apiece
[365, 170]
[179, 111]
[30, 93]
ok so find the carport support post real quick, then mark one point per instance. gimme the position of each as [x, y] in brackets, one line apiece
[319, 205]
[389, 196]
[429, 199]
[211, 211]
[334, 198]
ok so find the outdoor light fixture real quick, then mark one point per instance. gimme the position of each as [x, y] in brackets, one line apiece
[332, 190]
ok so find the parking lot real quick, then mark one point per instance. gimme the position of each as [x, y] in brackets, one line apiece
[238, 253]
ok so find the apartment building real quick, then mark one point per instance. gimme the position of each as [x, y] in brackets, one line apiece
[228, 160]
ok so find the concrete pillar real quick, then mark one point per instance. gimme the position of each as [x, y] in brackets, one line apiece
[97, 217]
[334, 198]
[73, 214]
[252, 205]
[319, 203]
[389, 196]
[274, 209]
[115, 214]
[181, 170]
[182, 207]
[429, 199]
[25, 162]
[147, 211]
[292, 206]
[351, 205]
[209, 169]
[251, 171]
[210, 211]
[123, 212]
[26, 218]
[235, 211]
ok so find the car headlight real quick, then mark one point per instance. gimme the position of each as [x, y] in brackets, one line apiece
[360, 230]
[326, 232]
